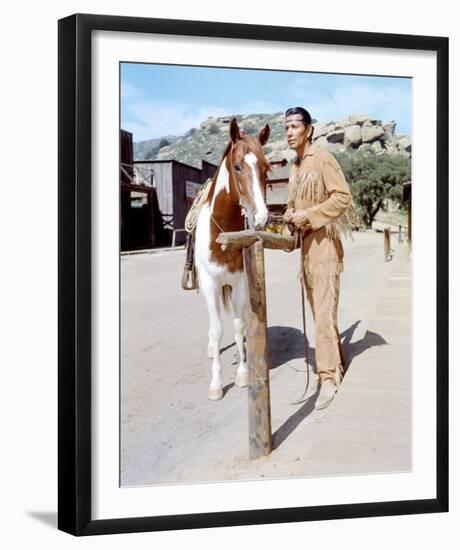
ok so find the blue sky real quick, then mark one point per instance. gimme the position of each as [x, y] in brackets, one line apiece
[157, 100]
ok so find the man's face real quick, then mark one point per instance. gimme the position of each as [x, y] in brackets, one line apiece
[296, 133]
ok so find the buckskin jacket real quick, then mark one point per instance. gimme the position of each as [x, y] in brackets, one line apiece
[317, 184]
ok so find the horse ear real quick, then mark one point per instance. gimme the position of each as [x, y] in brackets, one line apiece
[264, 134]
[234, 130]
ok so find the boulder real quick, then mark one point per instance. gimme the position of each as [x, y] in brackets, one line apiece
[372, 133]
[345, 122]
[278, 145]
[404, 144]
[278, 156]
[353, 135]
[366, 147]
[209, 122]
[376, 147]
[359, 119]
[391, 147]
[389, 129]
[321, 141]
[336, 136]
[322, 129]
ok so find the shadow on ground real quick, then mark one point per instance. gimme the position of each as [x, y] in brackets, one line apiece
[48, 518]
[353, 349]
[287, 343]
[286, 429]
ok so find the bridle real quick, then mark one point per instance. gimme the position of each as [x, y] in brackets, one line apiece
[238, 190]
[235, 179]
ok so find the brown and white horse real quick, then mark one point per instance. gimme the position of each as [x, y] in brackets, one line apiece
[238, 184]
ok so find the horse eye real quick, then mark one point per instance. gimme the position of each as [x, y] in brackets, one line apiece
[237, 167]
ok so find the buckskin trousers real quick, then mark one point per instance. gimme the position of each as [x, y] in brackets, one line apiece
[323, 297]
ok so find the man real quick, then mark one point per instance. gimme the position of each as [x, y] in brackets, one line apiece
[320, 207]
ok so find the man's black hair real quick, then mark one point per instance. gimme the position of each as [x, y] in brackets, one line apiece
[306, 118]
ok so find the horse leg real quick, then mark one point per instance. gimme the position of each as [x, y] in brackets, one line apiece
[212, 297]
[210, 352]
[239, 304]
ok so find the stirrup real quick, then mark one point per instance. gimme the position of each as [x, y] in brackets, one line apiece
[189, 278]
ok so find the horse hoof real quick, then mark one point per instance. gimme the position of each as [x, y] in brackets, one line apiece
[242, 379]
[214, 394]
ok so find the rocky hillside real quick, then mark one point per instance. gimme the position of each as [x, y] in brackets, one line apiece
[149, 148]
[354, 133]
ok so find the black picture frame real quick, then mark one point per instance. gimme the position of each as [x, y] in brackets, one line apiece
[74, 276]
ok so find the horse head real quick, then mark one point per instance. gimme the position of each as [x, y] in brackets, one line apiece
[248, 167]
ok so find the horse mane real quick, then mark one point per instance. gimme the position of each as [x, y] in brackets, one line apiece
[216, 173]
[226, 152]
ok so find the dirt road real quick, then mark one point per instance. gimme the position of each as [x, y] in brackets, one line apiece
[171, 433]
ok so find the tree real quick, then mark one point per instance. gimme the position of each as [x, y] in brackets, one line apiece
[374, 180]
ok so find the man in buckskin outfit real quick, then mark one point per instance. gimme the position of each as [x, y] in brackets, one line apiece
[320, 206]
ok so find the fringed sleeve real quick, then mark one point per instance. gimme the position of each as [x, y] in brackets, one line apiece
[293, 188]
[338, 194]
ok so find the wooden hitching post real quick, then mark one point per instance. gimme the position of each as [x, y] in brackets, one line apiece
[253, 243]
[260, 430]
[386, 243]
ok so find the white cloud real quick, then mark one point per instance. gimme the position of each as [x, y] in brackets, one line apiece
[155, 118]
[385, 101]
[130, 92]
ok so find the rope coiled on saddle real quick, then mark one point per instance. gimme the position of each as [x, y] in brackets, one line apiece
[189, 277]
[192, 215]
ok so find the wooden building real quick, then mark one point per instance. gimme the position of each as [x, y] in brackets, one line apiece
[176, 185]
[155, 197]
[137, 201]
[276, 191]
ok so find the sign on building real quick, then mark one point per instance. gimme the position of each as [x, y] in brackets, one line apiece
[191, 189]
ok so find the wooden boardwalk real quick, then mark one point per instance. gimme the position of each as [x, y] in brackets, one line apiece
[368, 427]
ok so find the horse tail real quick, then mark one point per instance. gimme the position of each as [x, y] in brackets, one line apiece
[226, 293]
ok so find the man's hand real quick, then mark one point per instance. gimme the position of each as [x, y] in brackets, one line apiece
[299, 218]
[287, 217]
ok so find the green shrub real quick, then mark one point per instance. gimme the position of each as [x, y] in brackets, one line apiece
[375, 180]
